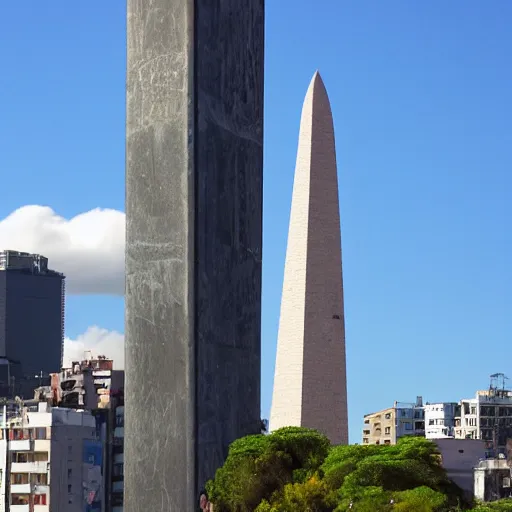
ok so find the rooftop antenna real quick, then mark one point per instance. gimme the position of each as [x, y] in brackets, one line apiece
[498, 382]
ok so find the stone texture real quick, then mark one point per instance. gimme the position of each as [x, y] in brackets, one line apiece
[193, 249]
[310, 387]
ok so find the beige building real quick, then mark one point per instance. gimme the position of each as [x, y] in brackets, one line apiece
[379, 427]
[388, 425]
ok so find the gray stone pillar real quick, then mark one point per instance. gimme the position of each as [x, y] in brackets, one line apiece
[194, 159]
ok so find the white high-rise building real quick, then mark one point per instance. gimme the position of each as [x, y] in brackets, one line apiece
[440, 420]
[487, 416]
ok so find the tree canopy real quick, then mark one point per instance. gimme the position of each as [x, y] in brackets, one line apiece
[296, 469]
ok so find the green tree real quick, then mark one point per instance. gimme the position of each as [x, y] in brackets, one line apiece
[258, 466]
[496, 506]
[420, 499]
[308, 496]
[295, 469]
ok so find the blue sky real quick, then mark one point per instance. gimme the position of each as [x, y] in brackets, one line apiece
[420, 94]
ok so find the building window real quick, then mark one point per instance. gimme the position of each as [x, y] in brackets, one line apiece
[40, 433]
[365, 440]
[387, 441]
[119, 420]
[40, 457]
[17, 434]
[70, 473]
[19, 478]
[21, 457]
[387, 431]
[69, 488]
[39, 479]
[40, 499]
[408, 426]
[388, 416]
[118, 469]
[431, 422]
[20, 499]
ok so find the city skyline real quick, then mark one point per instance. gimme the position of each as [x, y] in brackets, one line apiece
[423, 134]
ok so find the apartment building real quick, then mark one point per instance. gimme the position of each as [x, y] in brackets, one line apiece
[487, 416]
[440, 420]
[54, 461]
[94, 385]
[388, 425]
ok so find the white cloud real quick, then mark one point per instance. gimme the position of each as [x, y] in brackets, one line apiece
[88, 248]
[100, 342]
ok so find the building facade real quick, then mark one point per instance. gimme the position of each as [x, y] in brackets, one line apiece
[94, 385]
[459, 457]
[440, 420]
[117, 488]
[389, 425]
[492, 480]
[31, 322]
[487, 416]
[54, 461]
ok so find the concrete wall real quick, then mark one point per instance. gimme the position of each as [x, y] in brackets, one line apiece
[194, 180]
[459, 458]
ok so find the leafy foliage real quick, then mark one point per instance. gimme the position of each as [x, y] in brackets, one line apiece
[295, 469]
[258, 466]
[497, 506]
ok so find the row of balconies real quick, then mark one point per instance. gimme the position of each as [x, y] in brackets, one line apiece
[30, 467]
[26, 508]
[29, 488]
[28, 445]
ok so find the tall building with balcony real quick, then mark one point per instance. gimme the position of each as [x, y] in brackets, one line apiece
[487, 416]
[440, 420]
[94, 385]
[388, 425]
[31, 322]
[54, 461]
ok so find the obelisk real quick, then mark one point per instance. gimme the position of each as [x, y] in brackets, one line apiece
[194, 160]
[310, 387]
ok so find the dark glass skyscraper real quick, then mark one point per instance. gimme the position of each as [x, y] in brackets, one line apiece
[31, 322]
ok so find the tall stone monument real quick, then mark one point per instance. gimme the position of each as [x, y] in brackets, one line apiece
[194, 160]
[310, 384]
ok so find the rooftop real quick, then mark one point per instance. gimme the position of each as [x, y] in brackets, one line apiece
[25, 262]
